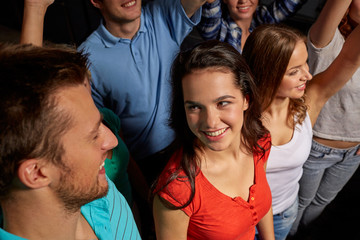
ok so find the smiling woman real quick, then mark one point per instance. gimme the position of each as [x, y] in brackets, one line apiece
[217, 172]
[291, 101]
[232, 21]
[214, 108]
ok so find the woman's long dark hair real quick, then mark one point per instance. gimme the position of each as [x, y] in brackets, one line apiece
[223, 57]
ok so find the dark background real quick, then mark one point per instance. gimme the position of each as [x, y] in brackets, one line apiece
[71, 21]
[66, 21]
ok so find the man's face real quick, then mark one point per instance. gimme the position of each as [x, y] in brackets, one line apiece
[120, 11]
[85, 144]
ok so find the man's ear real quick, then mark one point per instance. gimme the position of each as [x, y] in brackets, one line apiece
[96, 3]
[33, 174]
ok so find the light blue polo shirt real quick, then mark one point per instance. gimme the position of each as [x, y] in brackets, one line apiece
[110, 217]
[132, 77]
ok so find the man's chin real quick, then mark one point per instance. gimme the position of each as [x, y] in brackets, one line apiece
[103, 191]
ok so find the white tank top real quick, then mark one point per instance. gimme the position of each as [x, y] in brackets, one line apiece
[284, 166]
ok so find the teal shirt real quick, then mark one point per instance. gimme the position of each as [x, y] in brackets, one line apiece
[110, 217]
[116, 167]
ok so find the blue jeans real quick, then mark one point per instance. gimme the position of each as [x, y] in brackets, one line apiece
[326, 172]
[283, 222]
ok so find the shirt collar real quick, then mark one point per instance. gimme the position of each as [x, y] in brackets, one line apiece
[232, 25]
[110, 40]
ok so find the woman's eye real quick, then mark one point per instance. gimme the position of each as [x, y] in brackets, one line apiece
[223, 103]
[292, 73]
[193, 107]
[96, 137]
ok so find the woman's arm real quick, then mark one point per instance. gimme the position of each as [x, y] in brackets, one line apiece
[210, 24]
[33, 21]
[328, 82]
[169, 224]
[266, 227]
[278, 11]
[266, 224]
[322, 31]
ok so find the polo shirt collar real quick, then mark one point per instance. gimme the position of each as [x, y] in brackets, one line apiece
[110, 40]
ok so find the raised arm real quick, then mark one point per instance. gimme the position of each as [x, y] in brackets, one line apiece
[191, 6]
[278, 11]
[33, 21]
[328, 82]
[169, 224]
[323, 30]
[210, 24]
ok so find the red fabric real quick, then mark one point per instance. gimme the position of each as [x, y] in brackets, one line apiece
[214, 215]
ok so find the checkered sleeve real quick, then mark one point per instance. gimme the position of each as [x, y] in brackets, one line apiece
[278, 11]
[210, 24]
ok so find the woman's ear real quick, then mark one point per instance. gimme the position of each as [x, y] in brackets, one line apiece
[246, 102]
[32, 173]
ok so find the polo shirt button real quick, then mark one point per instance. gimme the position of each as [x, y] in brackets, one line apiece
[251, 207]
[254, 214]
[252, 198]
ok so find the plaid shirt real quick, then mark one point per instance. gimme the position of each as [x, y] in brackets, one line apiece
[215, 26]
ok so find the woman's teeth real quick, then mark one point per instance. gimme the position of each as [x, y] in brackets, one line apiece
[216, 133]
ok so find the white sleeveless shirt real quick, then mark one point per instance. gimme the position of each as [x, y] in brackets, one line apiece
[284, 166]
